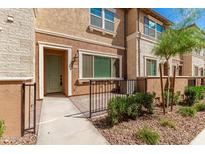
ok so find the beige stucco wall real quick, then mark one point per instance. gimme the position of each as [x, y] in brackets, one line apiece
[187, 65]
[75, 22]
[17, 43]
[132, 58]
[131, 21]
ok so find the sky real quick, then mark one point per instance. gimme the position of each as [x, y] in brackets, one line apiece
[173, 16]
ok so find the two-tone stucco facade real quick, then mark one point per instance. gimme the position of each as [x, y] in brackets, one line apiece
[62, 49]
[17, 39]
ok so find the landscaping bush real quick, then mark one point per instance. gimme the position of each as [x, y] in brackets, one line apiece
[199, 107]
[175, 99]
[193, 94]
[121, 108]
[148, 101]
[167, 123]
[116, 110]
[2, 128]
[187, 111]
[148, 136]
[134, 106]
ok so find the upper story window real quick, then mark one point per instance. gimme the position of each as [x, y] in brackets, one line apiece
[160, 29]
[102, 18]
[152, 29]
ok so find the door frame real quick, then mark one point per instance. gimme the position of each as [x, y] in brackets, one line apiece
[68, 49]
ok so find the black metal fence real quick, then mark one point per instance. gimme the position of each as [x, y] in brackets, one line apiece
[28, 108]
[102, 91]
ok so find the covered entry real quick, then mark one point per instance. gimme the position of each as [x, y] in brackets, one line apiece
[54, 69]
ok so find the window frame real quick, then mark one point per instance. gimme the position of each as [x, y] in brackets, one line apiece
[194, 73]
[145, 65]
[96, 53]
[155, 29]
[103, 20]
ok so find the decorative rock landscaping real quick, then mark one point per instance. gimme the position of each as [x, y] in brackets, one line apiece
[185, 130]
[28, 139]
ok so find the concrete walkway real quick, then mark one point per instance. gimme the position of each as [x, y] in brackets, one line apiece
[199, 139]
[62, 123]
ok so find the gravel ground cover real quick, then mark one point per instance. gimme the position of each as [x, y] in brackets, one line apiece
[184, 132]
[27, 139]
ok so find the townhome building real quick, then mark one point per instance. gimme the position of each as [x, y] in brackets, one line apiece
[76, 45]
[61, 50]
[194, 63]
[144, 28]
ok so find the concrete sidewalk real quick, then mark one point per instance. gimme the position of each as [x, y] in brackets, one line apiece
[62, 123]
[199, 139]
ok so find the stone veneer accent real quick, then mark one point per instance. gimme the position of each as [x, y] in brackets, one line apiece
[17, 43]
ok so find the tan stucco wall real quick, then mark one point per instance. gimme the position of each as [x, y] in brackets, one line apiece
[187, 65]
[153, 85]
[10, 107]
[131, 59]
[75, 22]
[131, 21]
[17, 43]
[77, 86]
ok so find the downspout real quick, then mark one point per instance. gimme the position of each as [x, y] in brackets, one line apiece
[139, 36]
[125, 44]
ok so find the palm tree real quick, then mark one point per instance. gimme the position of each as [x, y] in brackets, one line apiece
[174, 42]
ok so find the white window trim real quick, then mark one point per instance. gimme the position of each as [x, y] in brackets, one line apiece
[193, 68]
[96, 53]
[145, 65]
[103, 20]
[152, 28]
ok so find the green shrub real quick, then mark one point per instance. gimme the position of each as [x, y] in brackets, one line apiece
[199, 107]
[148, 136]
[134, 106]
[148, 101]
[2, 128]
[116, 110]
[176, 97]
[121, 108]
[167, 123]
[193, 94]
[187, 111]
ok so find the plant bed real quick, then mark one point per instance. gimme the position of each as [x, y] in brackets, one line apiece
[186, 128]
[27, 139]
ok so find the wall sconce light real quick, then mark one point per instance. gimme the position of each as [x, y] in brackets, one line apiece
[1, 29]
[10, 18]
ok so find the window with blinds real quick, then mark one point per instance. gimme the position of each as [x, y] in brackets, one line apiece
[100, 67]
[152, 29]
[151, 67]
[102, 18]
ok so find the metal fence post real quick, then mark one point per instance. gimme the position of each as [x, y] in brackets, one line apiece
[23, 110]
[90, 112]
[34, 108]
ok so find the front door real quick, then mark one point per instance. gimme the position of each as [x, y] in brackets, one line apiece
[53, 73]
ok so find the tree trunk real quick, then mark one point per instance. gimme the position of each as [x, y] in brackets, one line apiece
[168, 83]
[162, 89]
